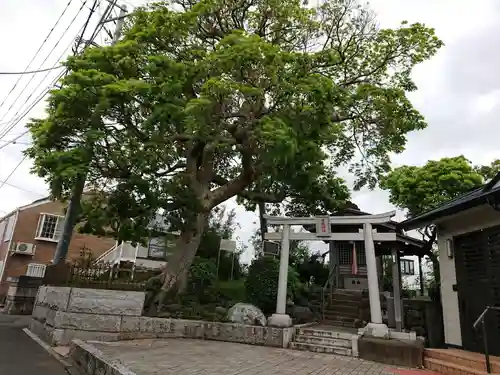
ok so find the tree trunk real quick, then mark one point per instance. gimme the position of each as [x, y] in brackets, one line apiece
[176, 270]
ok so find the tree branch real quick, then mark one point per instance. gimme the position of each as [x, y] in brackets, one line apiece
[237, 185]
[253, 195]
[171, 169]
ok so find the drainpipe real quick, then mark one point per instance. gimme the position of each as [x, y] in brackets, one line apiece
[9, 245]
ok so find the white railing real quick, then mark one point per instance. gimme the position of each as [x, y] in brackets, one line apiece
[36, 270]
[122, 252]
[108, 255]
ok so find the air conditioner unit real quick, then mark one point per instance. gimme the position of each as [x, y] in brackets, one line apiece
[24, 248]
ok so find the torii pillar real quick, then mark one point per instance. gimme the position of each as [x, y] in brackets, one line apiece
[376, 327]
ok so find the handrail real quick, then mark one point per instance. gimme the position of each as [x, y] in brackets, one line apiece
[107, 252]
[327, 283]
[480, 320]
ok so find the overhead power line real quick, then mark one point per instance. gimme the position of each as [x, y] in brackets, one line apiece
[22, 189]
[37, 51]
[32, 71]
[79, 39]
[11, 173]
[46, 58]
[15, 121]
[16, 142]
[15, 139]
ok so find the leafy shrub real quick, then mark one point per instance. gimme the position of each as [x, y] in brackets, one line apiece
[202, 276]
[230, 292]
[261, 284]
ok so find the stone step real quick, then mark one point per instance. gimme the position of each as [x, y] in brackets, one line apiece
[321, 348]
[345, 306]
[346, 314]
[463, 358]
[343, 318]
[327, 341]
[348, 293]
[305, 331]
[338, 323]
[344, 302]
[449, 368]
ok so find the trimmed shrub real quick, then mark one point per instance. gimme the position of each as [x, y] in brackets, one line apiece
[261, 284]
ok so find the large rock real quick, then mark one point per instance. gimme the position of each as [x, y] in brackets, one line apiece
[244, 313]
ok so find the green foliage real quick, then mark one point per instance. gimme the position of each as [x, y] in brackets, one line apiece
[488, 171]
[299, 252]
[202, 276]
[261, 285]
[230, 292]
[419, 189]
[221, 225]
[205, 100]
[312, 269]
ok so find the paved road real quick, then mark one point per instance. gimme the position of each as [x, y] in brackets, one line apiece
[20, 355]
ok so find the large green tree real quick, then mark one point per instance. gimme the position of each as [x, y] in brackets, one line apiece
[204, 100]
[418, 189]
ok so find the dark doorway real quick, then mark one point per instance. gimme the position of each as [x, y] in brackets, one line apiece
[477, 262]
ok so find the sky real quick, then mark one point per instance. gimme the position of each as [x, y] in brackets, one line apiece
[458, 89]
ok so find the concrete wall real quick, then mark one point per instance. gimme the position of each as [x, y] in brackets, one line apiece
[150, 264]
[63, 314]
[464, 222]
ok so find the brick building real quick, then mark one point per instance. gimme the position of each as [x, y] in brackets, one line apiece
[28, 239]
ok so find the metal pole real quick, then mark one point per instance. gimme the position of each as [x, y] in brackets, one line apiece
[421, 275]
[232, 267]
[486, 351]
[218, 263]
[77, 192]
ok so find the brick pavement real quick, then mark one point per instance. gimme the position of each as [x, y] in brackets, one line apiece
[200, 357]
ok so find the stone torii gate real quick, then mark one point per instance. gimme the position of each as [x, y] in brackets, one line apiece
[323, 233]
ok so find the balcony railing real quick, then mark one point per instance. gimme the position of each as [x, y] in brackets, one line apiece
[123, 252]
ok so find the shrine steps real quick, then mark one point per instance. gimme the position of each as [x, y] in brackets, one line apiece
[324, 339]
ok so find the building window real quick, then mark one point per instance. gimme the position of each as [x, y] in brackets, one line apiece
[161, 247]
[156, 247]
[49, 227]
[2, 228]
[9, 228]
[407, 267]
[345, 253]
[36, 270]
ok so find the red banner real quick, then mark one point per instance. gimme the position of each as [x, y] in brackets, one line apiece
[354, 260]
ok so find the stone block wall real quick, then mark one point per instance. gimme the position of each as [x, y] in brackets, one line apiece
[21, 295]
[392, 352]
[62, 314]
[145, 327]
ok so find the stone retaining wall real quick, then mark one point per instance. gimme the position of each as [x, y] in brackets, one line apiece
[63, 314]
[91, 361]
[21, 295]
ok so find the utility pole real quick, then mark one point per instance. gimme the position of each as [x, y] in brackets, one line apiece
[76, 194]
